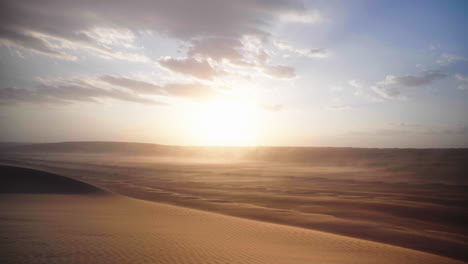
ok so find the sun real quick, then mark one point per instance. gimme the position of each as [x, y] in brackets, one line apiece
[226, 123]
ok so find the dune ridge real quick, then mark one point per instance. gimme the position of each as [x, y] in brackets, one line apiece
[24, 180]
[85, 228]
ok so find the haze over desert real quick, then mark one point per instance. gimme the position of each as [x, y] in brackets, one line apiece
[349, 206]
[245, 131]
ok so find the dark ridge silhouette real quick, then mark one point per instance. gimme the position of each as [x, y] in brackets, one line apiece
[23, 180]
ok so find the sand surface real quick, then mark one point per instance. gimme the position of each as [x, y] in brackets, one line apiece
[420, 205]
[57, 228]
[102, 227]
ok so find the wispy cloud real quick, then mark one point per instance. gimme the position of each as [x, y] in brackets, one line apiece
[192, 90]
[391, 87]
[104, 87]
[447, 59]
[198, 68]
[11, 38]
[311, 53]
[132, 84]
[68, 93]
[361, 90]
[463, 80]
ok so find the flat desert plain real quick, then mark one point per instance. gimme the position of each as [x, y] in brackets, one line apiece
[130, 203]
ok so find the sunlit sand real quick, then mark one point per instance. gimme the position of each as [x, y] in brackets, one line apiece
[109, 228]
[224, 205]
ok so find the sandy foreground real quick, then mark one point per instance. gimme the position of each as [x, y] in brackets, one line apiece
[110, 228]
[417, 201]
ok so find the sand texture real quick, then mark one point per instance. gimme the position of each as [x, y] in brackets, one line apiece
[109, 228]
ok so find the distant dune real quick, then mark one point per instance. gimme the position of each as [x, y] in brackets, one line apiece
[78, 227]
[431, 162]
[288, 154]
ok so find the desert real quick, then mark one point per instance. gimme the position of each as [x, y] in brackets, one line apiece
[270, 210]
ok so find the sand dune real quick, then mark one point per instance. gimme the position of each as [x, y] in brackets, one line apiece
[87, 228]
[404, 207]
[24, 180]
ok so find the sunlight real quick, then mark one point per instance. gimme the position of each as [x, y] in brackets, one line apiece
[227, 123]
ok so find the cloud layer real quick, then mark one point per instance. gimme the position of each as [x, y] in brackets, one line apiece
[70, 92]
[105, 87]
[51, 27]
[216, 35]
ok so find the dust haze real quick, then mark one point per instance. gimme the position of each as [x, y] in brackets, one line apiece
[412, 198]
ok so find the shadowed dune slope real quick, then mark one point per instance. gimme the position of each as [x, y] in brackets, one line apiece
[23, 180]
[57, 228]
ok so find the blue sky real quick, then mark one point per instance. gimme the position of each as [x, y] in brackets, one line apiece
[285, 72]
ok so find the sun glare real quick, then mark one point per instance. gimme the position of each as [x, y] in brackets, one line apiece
[227, 123]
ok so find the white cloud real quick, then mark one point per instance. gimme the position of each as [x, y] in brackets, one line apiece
[361, 90]
[356, 84]
[447, 59]
[311, 53]
[312, 16]
[463, 81]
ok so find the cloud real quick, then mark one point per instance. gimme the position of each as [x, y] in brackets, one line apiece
[388, 92]
[200, 69]
[134, 85]
[72, 24]
[391, 87]
[312, 16]
[63, 91]
[311, 53]
[447, 59]
[192, 90]
[280, 71]
[32, 43]
[218, 49]
[461, 77]
[68, 93]
[463, 81]
[57, 47]
[361, 90]
[356, 84]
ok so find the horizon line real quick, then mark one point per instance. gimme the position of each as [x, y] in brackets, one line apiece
[225, 146]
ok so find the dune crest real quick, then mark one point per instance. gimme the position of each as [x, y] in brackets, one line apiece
[24, 180]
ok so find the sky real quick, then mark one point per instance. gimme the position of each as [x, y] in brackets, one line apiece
[246, 72]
